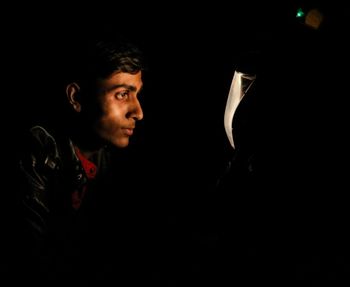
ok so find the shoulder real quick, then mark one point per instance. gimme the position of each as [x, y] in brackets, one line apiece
[39, 146]
[39, 136]
[40, 132]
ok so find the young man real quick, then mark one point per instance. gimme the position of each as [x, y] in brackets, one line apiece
[62, 165]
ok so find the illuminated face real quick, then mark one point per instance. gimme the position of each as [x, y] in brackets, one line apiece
[119, 107]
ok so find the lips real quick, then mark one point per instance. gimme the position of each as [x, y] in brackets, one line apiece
[129, 131]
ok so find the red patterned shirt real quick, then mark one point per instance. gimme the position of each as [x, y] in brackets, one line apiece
[90, 171]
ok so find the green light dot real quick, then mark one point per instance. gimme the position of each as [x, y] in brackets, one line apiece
[300, 13]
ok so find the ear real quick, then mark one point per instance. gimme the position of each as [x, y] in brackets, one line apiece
[73, 93]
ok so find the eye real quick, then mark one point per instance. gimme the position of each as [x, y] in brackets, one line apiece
[122, 95]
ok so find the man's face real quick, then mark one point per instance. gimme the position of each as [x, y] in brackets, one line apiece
[119, 107]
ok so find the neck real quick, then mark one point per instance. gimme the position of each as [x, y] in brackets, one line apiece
[88, 154]
[86, 142]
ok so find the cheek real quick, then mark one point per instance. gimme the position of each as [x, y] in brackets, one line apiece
[116, 114]
[115, 109]
[111, 110]
[112, 119]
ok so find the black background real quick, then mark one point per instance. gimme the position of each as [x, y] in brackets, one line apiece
[181, 147]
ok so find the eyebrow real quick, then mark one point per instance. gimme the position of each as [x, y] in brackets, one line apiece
[129, 87]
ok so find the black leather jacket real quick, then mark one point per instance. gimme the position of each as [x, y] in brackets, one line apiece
[49, 172]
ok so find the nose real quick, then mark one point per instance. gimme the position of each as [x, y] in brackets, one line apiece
[136, 111]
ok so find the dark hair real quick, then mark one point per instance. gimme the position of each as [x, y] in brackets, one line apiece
[99, 59]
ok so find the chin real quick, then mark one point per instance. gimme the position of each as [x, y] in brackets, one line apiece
[121, 144]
